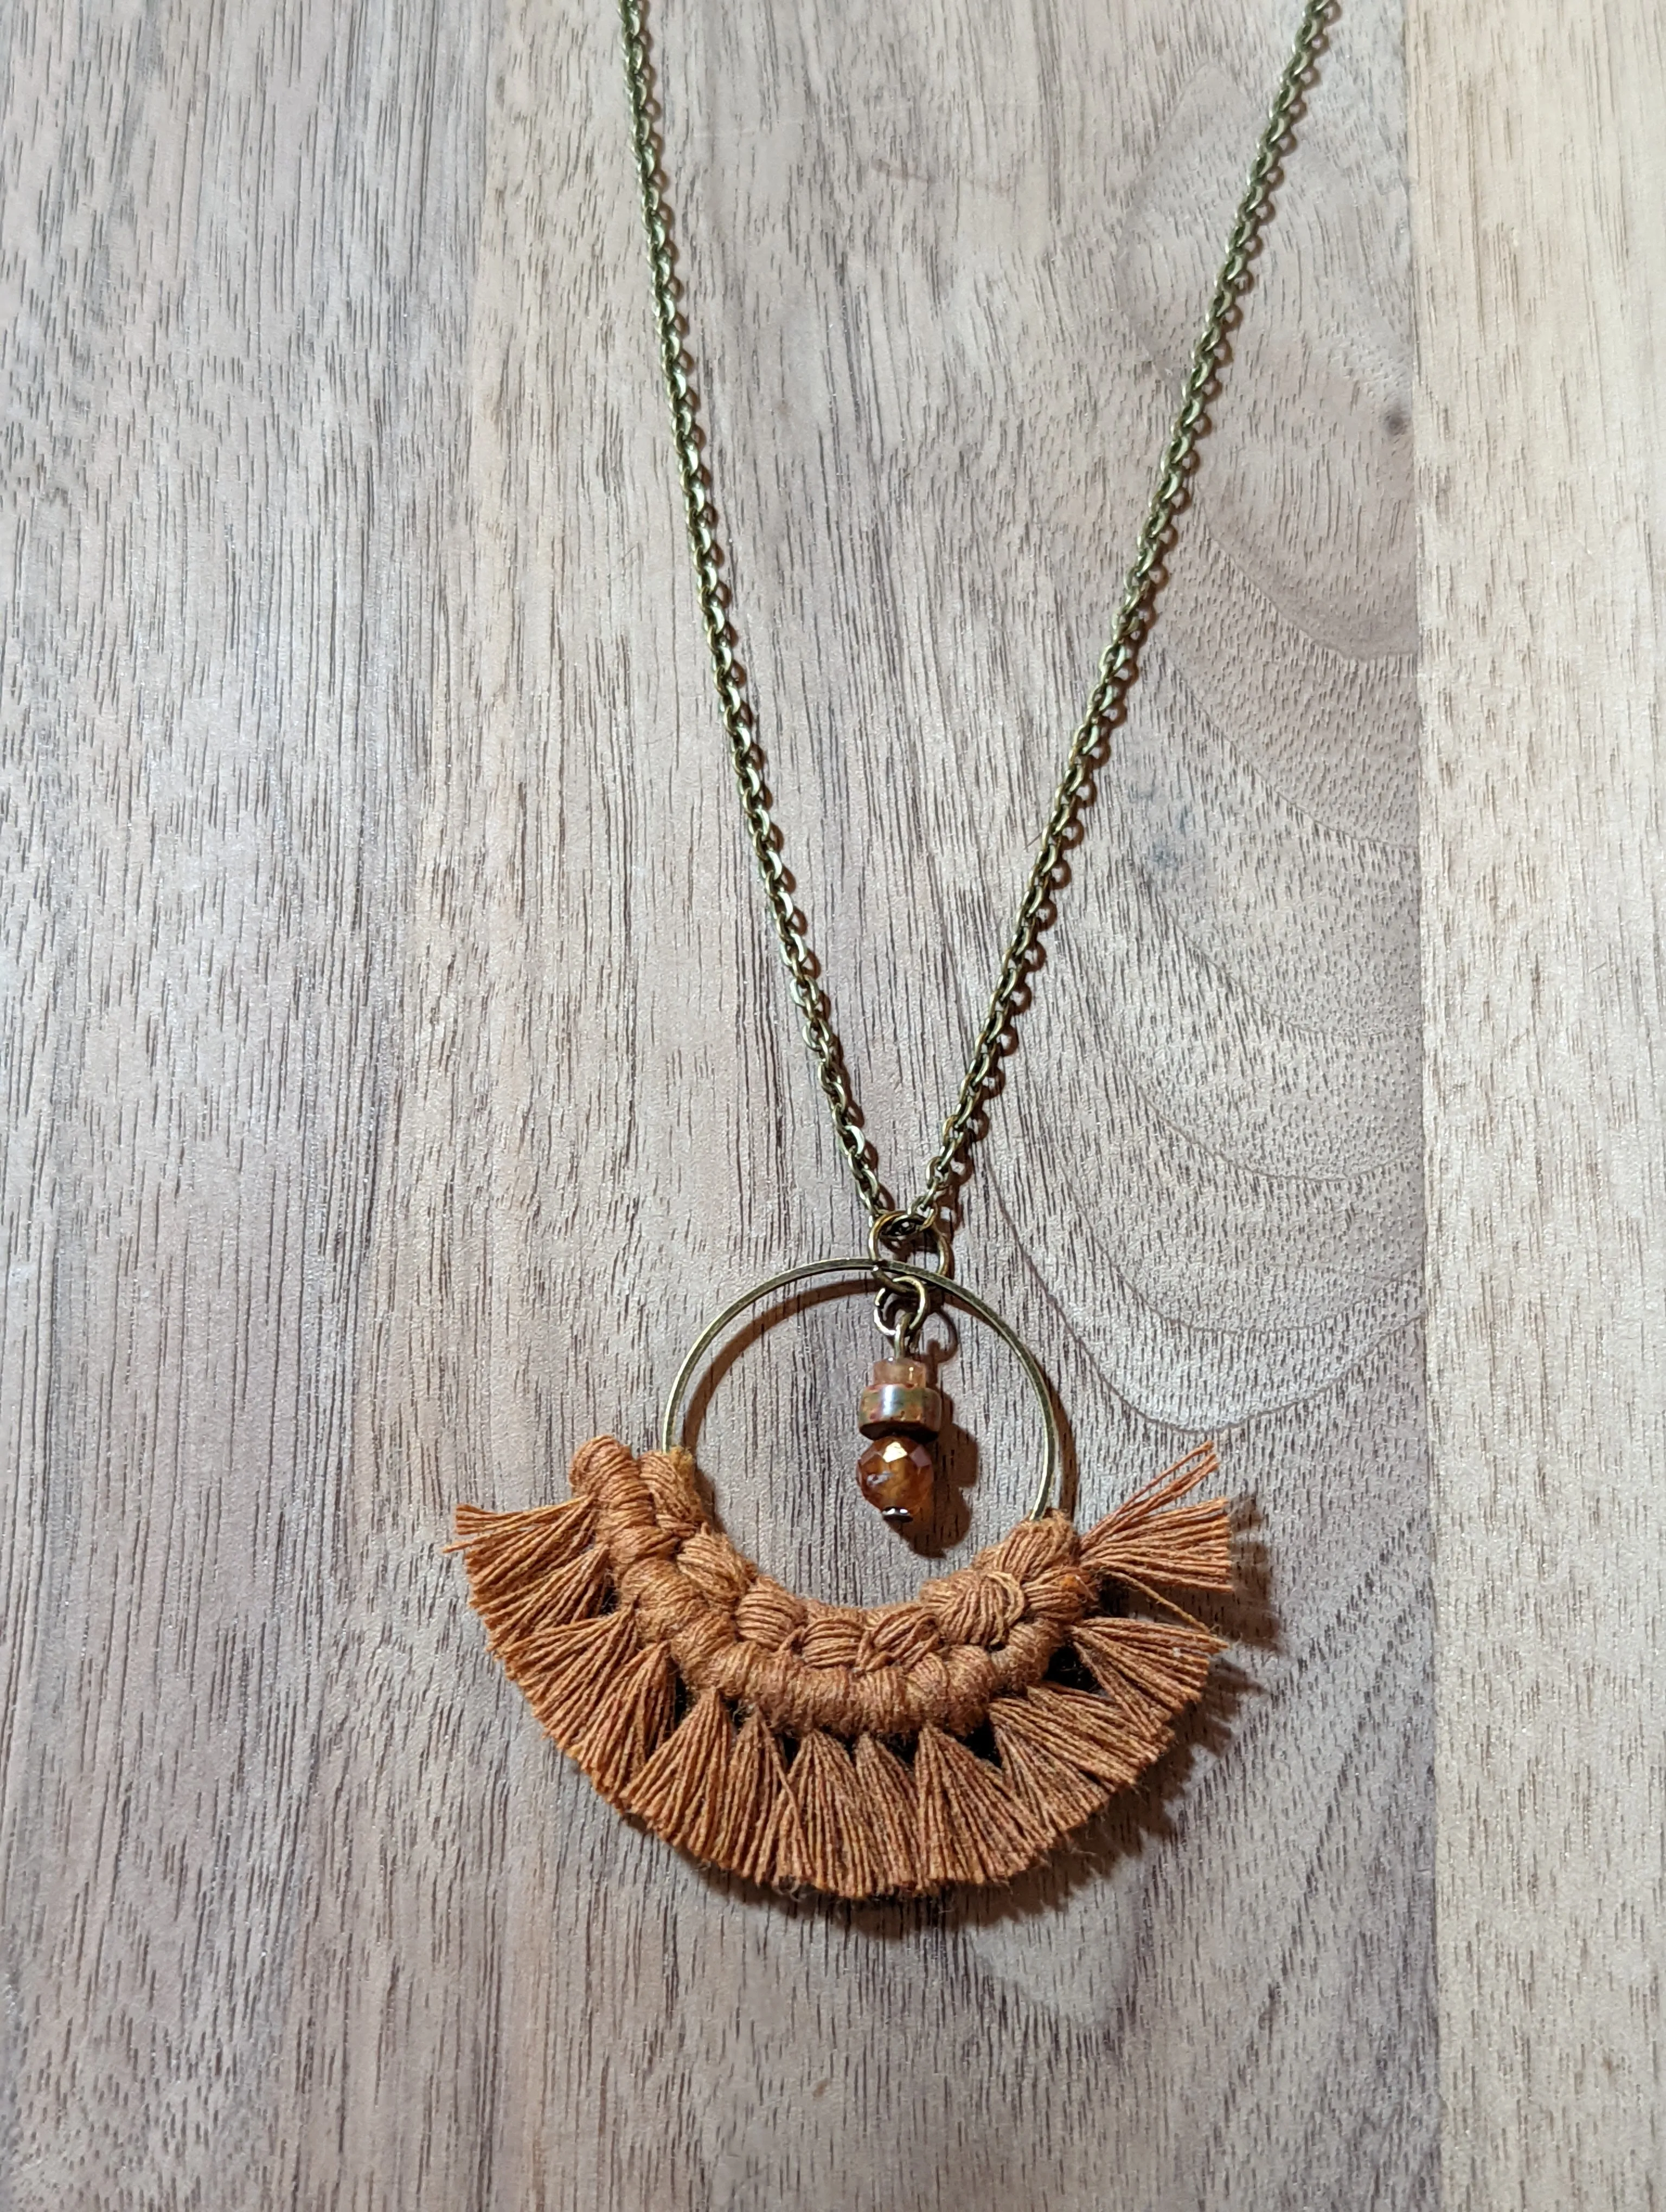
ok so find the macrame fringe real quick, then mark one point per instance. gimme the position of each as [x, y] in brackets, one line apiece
[758, 1827]
[568, 1671]
[888, 1794]
[833, 1814]
[1152, 1538]
[1164, 1664]
[630, 1723]
[588, 1604]
[680, 1791]
[971, 1828]
[1055, 1794]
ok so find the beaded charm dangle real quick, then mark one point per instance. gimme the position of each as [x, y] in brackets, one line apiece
[888, 1750]
[901, 1412]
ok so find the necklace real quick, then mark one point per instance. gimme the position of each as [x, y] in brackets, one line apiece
[955, 1738]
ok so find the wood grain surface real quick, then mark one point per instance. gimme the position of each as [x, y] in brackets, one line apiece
[400, 1073]
[1542, 295]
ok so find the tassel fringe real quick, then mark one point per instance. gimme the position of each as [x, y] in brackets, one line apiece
[833, 1813]
[887, 1789]
[756, 1807]
[679, 1791]
[1055, 1796]
[630, 1723]
[1152, 1538]
[782, 1767]
[971, 1828]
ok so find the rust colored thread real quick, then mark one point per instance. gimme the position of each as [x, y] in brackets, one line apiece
[1166, 1665]
[629, 1723]
[598, 1606]
[887, 1788]
[1151, 1538]
[1082, 1731]
[1055, 1796]
[833, 1811]
[680, 1790]
[761, 1834]
[970, 1826]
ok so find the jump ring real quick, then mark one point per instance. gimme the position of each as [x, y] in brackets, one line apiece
[888, 1307]
[884, 1223]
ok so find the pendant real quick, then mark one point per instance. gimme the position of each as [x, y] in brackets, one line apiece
[864, 1751]
[901, 1412]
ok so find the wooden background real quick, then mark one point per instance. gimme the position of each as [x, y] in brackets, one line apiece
[1540, 165]
[399, 1073]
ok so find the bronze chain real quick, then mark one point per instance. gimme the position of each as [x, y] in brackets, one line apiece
[904, 1230]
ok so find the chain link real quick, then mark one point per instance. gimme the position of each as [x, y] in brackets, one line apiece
[906, 1227]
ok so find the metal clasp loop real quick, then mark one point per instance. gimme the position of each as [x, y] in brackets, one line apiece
[891, 1299]
[891, 1302]
[883, 1223]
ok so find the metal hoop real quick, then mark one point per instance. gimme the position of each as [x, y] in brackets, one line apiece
[925, 1279]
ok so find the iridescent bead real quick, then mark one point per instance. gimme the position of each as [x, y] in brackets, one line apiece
[899, 1401]
[895, 1473]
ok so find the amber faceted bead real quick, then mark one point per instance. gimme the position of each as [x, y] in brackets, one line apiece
[896, 1476]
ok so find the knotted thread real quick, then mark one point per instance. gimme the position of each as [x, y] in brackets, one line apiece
[642, 1638]
[935, 1662]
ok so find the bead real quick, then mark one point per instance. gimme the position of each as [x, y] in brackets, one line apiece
[899, 1401]
[889, 1410]
[901, 1412]
[896, 1476]
[910, 1374]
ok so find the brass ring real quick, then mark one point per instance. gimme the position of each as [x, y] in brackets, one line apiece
[935, 1229]
[929, 1282]
[900, 1332]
